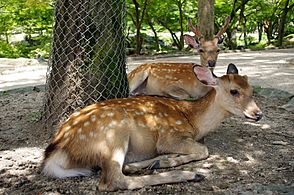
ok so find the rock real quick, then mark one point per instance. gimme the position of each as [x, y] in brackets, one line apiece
[289, 106]
[280, 143]
[291, 163]
[272, 92]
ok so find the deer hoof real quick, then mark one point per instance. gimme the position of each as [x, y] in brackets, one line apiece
[198, 177]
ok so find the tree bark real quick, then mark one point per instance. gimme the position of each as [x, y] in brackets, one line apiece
[88, 57]
[259, 28]
[206, 18]
[180, 7]
[139, 17]
[282, 23]
[150, 23]
[243, 22]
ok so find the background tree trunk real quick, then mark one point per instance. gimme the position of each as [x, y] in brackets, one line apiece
[88, 57]
[206, 18]
[282, 23]
[151, 25]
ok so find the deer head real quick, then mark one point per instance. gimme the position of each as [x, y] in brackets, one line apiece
[233, 92]
[208, 49]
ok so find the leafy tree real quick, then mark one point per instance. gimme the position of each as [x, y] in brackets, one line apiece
[172, 15]
[136, 11]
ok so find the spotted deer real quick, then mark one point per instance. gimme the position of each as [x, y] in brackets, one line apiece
[124, 135]
[177, 80]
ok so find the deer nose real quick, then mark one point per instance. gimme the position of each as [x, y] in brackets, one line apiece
[211, 63]
[258, 116]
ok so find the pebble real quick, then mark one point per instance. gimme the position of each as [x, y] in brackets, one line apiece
[280, 143]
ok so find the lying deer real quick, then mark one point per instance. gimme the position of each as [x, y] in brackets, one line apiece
[114, 133]
[177, 80]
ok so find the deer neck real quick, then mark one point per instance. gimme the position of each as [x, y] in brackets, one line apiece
[205, 114]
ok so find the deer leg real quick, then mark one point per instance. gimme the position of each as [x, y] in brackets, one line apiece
[190, 149]
[186, 151]
[113, 179]
[149, 164]
[176, 176]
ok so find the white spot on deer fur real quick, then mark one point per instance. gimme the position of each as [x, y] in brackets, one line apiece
[93, 118]
[75, 122]
[87, 123]
[102, 103]
[110, 114]
[123, 122]
[112, 124]
[66, 135]
[141, 124]
[82, 137]
[179, 122]
[139, 113]
[160, 114]
[80, 130]
[168, 77]
[119, 101]
[67, 128]
[91, 134]
[165, 114]
[102, 128]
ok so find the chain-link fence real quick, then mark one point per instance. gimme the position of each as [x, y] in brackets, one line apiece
[88, 62]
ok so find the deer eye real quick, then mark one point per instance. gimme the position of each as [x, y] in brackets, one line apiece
[218, 50]
[201, 50]
[234, 92]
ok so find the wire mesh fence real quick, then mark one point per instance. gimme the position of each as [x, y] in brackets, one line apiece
[88, 61]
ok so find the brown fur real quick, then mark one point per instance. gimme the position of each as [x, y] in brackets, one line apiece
[175, 80]
[115, 132]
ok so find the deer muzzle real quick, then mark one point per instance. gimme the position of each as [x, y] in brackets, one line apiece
[253, 112]
[211, 63]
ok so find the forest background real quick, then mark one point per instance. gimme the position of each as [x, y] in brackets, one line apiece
[153, 26]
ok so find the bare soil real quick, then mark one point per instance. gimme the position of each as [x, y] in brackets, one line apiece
[245, 157]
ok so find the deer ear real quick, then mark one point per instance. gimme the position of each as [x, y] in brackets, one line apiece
[232, 69]
[191, 41]
[245, 77]
[204, 75]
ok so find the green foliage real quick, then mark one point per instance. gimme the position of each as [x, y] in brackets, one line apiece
[34, 18]
[8, 50]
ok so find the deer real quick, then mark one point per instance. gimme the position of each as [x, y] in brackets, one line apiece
[177, 80]
[125, 135]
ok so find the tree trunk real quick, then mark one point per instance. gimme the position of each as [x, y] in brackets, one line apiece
[180, 7]
[88, 57]
[150, 23]
[268, 30]
[282, 24]
[139, 17]
[206, 18]
[243, 22]
[259, 28]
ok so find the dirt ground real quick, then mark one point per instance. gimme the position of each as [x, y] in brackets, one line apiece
[245, 157]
